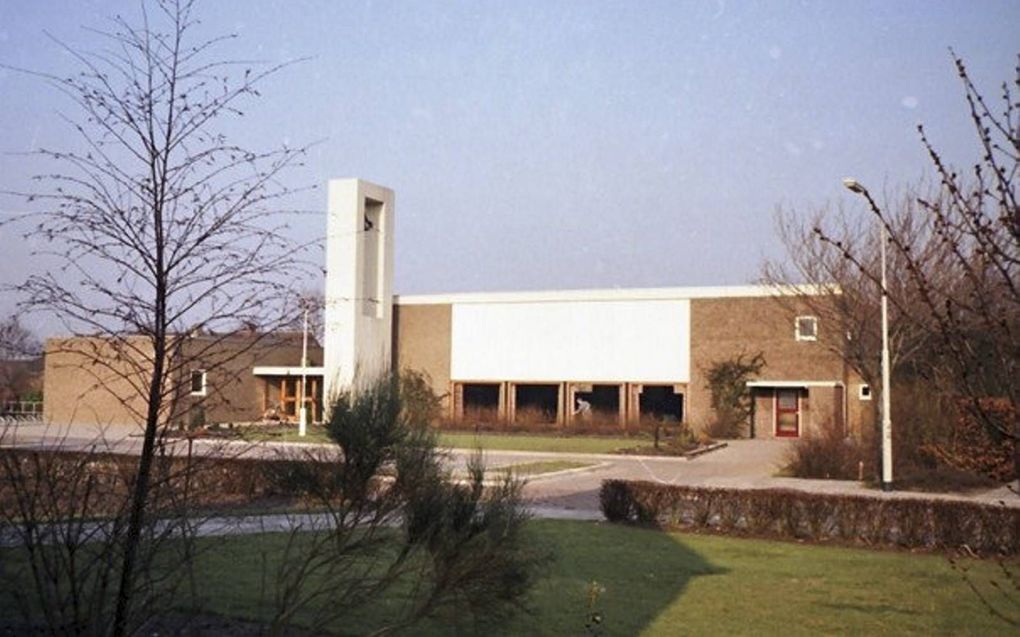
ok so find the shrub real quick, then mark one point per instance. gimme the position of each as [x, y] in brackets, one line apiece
[615, 501]
[731, 400]
[936, 447]
[396, 519]
[828, 454]
[787, 514]
[63, 516]
[420, 403]
[211, 481]
[970, 446]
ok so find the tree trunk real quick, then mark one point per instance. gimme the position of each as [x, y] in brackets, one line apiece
[140, 493]
[1016, 452]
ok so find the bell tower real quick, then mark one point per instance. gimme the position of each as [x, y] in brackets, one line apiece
[359, 285]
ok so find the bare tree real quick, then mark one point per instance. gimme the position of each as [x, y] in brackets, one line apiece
[971, 303]
[954, 255]
[20, 367]
[839, 248]
[162, 226]
[65, 513]
[977, 223]
[17, 341]
[312, 302]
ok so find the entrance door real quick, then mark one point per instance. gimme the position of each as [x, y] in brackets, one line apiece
[289, 392]
[283, 393]
[787, 413]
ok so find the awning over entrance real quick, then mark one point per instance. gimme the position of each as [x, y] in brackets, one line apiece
[287, 371]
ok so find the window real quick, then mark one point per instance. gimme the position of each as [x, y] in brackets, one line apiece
[534, 403]
[864, 392]
[806, 328]
[198, 383]
[479, 402]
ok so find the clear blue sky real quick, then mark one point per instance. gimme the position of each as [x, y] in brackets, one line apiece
[538, 145]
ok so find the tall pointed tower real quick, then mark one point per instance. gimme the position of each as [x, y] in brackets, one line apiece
[359, 285]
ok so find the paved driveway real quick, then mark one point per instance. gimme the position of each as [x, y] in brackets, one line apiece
[746, 463]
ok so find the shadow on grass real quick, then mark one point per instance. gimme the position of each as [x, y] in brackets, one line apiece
[641, 572]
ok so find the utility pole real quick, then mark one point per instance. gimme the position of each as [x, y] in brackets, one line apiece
[303, 411]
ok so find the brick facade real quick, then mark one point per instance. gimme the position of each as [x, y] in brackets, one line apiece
[97, 381]
[724, 328]
[422, 341]
[720, 329]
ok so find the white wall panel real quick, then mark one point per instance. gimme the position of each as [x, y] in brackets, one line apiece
[641, 341]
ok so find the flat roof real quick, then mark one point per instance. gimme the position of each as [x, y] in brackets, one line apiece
[617, 294]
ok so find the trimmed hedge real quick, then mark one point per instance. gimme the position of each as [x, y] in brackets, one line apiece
[109, 476]
[816, 517]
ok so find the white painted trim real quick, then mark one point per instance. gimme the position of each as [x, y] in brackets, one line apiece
[617, 294]
[860, 392]
[205, 378]
[796, 328]
[287, 371]
[793, 384]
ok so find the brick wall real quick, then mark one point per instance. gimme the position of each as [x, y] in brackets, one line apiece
[233, 393]
[724, 328]
[95, 381]
[721, 328]
[422, 342]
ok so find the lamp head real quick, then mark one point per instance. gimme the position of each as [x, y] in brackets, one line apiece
[853, 185]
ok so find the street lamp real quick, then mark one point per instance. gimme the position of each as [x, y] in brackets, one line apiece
[303, 412]
[887, 470]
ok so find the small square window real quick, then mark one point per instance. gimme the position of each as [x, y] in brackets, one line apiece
[864, 392]
[806, 328]
[198, 383]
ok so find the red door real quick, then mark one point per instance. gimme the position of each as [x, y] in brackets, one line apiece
[787, 413]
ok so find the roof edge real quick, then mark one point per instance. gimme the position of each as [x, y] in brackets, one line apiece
[618, 294]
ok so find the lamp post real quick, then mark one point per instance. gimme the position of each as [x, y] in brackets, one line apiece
[303, 411]
[887, 465]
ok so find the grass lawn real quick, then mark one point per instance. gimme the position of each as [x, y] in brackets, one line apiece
[513, 442]
[540, 467]
[669, 583]
[657, 583]
[467, 440]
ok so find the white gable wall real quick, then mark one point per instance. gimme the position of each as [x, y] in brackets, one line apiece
[552, 341]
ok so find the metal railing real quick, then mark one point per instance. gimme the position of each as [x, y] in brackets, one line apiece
[12, 411]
